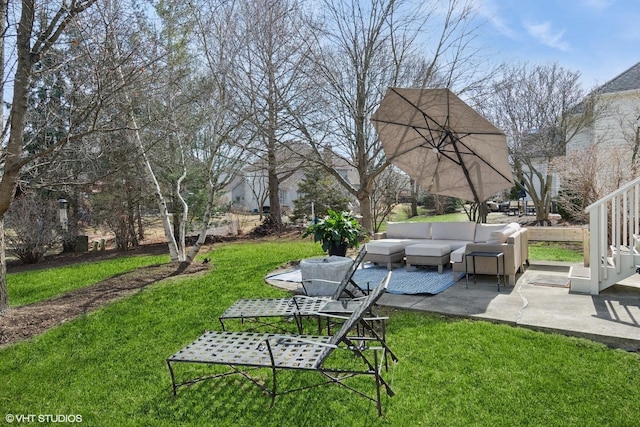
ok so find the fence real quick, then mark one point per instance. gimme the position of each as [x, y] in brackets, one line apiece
[563, 234]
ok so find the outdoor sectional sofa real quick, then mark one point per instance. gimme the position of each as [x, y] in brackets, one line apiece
[441, 243]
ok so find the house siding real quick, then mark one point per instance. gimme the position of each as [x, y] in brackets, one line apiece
[614, 131]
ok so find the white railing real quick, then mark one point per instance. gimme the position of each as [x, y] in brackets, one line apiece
[613, 221]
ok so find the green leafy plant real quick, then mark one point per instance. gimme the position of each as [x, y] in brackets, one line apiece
[335, 229]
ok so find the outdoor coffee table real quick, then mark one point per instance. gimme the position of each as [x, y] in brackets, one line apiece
[484, 254]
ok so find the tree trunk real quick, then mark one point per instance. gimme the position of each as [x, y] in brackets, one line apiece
[4, 291]
[17, 121]
[275, 211]
[139, 219]
[182, 225]
[414, 197]
[202, 236]
[4, 294]
[364, 199]
[162, 204]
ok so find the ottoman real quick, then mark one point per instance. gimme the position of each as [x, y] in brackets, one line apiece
[386, 251]
[433, 254]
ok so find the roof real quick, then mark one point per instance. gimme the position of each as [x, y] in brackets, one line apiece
[628, 80]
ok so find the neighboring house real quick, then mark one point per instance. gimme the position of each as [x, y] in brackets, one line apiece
[247, 190]
[250, 187]
[607, 148]
[613, 136]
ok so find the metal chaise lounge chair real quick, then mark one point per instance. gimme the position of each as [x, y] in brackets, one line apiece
[299, 306]
[243, 351]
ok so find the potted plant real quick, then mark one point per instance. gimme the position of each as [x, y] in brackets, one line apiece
[337, 232]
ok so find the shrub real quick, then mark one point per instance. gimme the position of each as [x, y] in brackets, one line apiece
[441, 205]
[321, 189]
[571, 206]
[32, 227]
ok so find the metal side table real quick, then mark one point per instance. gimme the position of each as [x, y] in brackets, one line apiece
[484, 254]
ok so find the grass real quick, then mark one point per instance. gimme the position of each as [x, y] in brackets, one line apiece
[33, 286]
[401, 216]
[109, 366]
[555, 251]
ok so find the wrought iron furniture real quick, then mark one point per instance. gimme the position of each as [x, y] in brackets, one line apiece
[243, 351]
[296, 307]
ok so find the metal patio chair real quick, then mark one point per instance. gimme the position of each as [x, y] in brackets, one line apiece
[330, 310]
[299, 306]
[244, 351]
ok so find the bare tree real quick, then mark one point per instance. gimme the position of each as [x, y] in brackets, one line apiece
[35, 226]
[384, 195]
[539, 108]
[257, 180]
[34, 39]
[202, 124]
[579, 171]
[369, 46]
[272, 77]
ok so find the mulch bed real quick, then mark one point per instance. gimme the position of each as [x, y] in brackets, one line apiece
[27, 321]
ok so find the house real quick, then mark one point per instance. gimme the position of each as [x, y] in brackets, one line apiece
[602, 149]
[610, 146]
[612, 140]
[249, 189]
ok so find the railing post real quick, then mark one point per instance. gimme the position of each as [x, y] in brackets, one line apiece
[616, 215]
[594, 247]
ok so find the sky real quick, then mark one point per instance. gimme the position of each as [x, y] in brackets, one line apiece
[597, 38]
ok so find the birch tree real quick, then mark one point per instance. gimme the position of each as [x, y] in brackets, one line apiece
[197, 120]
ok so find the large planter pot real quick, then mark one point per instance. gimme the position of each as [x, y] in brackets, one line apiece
[338, 249]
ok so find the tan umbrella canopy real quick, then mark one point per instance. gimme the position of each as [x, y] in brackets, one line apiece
[443, 144]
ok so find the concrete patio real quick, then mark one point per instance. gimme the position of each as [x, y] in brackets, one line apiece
[539, 300]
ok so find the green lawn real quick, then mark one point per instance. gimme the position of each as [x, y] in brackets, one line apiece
[555, 251]
[401, 216]
[109, 366]
[32, 286]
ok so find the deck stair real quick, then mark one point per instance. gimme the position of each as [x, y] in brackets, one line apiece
[614, 228]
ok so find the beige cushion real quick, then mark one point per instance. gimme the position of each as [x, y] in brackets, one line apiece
[427, 249]
[497, 237]
[385, 247]
[453, 231]
[409, 230]
[483, 231]
[458, 254]
[455, 244]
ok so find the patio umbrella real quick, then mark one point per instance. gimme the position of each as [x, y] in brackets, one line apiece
[443, 143]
